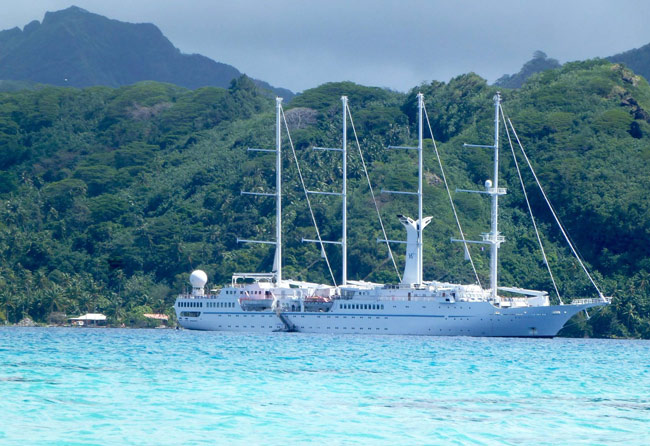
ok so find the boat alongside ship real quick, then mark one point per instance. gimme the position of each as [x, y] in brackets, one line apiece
[267, 302]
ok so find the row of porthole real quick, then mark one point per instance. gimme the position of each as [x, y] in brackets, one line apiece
[362, 306]
[220, 304]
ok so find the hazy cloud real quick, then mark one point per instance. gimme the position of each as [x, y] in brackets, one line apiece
[397, 44]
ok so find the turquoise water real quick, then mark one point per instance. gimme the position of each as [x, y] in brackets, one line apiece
[63, 386]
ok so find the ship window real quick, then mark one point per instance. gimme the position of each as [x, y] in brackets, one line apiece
[382, 306]
[190, 313]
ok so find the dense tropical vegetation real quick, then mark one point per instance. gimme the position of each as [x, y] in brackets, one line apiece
[110, 197]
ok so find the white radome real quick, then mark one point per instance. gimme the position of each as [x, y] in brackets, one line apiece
[198, 278]
[488, 184]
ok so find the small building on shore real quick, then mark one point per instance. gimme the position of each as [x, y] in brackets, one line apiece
[161, 318]
[89, 320]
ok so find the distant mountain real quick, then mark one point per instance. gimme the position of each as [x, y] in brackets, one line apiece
[540, 62]
[74, 47]
[638, 60]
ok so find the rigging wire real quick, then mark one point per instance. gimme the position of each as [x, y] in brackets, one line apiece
[557, 220]
[372, 193]
[530, 210]
[304, 188]
[451, 201]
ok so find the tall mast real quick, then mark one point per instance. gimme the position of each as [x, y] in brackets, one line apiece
[420, 225]
[278, 191]
[277, 260]
[492, 238]
[343, 194]
[494, 235]
[344, 236]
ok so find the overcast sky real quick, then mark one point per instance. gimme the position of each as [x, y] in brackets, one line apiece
[396, 44]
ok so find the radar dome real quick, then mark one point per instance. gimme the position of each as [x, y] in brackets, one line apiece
[198, 278]
[488, 184]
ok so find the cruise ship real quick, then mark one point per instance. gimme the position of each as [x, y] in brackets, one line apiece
[268, 302]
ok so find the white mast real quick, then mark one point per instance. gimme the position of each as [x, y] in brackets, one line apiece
[344, 236]
[492, 238]
[343, 194]
[494, 234]
[420, 225]
[278, 191]
[277, 260]
[414, 229]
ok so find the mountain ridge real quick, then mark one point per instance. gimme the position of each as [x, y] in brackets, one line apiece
[77, 48]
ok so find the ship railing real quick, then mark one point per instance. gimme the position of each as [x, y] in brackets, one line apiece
[192, 296]
[596, 300]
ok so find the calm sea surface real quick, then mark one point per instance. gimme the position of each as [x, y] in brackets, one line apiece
[61, 386]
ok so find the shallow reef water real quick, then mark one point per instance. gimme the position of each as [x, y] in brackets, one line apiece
[76, 386]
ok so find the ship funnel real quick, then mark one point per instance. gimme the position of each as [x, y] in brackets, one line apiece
[412, 268]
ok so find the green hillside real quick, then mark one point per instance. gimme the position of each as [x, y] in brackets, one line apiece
[112, 196]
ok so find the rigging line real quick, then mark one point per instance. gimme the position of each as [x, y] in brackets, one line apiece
[372, 193]
[557, 220]
[530, 210]
[451, 201]
[304, 188]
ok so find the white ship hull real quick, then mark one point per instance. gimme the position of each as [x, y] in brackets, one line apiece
[397, 318]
